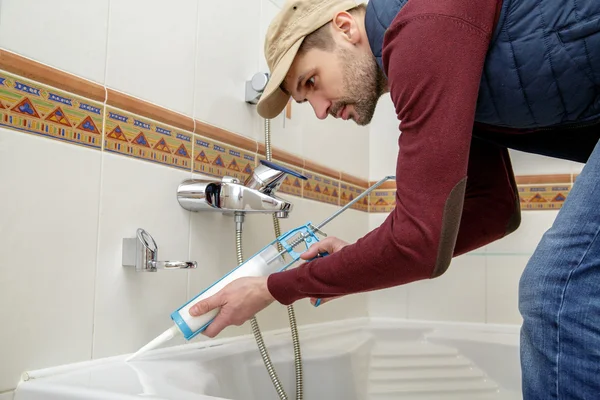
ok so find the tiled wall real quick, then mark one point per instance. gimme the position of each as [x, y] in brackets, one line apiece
[105, 107]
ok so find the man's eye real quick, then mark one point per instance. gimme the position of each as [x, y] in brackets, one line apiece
[310, 82]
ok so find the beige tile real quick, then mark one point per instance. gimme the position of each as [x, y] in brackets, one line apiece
[534, 164]
[48, 238]
[64, 45]
[337, 144]
[383, 140]
[457, 295]
[223, 66]
[132, 308]
[388, 303]
[502, 288]
[151, 51]
[525, 239]
[6, 396]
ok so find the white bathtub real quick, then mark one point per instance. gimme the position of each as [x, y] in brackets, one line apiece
[349, 360]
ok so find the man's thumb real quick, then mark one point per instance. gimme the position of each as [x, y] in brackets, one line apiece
[315, 249]
[204, 306]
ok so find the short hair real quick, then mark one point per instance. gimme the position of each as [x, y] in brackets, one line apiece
[321, 38]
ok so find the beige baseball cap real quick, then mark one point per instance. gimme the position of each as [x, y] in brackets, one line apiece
[296, 20]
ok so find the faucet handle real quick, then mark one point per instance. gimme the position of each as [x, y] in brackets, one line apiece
[268, 176]
[141, 252]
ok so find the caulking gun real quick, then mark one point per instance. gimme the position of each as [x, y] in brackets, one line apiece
[265, 262]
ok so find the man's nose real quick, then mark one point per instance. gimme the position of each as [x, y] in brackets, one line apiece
[321, 106]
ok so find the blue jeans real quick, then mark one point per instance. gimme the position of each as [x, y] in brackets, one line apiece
[559, 299]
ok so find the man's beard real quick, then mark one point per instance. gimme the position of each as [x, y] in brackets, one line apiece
[364, 84]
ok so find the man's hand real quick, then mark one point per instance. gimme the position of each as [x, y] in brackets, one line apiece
[328, 245]
[239, 300]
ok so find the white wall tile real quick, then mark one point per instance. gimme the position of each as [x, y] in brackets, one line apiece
[457, 295]
[151, 51]
[338, 144]
[383, 140]
[6, 396]
[388, 303]
[286, 134]
[576, 167]
[525, 239]
[226, 57]
[268, 11]
[48, 237]
[132, 308]
[65, 34]
[502, 288]
[391, 302]
[534, 164]
[376, 219]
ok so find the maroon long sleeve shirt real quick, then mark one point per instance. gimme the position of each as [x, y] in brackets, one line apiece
[454, 193]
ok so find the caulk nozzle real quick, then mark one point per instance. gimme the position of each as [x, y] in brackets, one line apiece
[154, 343]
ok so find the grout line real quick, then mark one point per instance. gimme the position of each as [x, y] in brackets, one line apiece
[100, 185]
[188, 282]
[193, 158]
[485, 287]
[340, 190]
[106, 48]
[195, 72]
[98, 221]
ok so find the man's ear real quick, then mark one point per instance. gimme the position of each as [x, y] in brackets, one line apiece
[344, 23]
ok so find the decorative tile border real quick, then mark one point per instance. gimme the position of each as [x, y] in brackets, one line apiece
[134, 136]
[548, 197]
[215, 158]
[39, 109]
[349, 192]
[382, 201]
[40, 100]
[321, 188]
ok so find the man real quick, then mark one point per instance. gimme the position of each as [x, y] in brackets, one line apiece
[468, 79]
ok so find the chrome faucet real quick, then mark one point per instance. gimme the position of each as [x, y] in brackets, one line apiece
[229, 195]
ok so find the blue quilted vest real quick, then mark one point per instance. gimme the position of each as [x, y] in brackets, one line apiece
[543, 64]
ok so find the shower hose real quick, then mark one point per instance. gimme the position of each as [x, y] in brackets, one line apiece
[239, 219]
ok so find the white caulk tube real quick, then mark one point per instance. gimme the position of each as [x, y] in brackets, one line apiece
[264, 263]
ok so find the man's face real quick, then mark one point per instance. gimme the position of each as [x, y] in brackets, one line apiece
[345, 82]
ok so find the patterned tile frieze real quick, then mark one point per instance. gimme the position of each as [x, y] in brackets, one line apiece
[219, 159]
[382, 201]
[321, 188]
[134, 136]
[546, 197]
[45, 111]
[349, 192]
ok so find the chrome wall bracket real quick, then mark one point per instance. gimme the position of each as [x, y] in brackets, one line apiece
[141, 252]
[255, 87]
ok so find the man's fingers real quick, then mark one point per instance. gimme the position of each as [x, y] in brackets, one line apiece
[215, 327]
[313, 300]
[323, 246]
[206, 305]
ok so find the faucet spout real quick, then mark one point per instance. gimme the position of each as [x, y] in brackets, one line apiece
[255, 195]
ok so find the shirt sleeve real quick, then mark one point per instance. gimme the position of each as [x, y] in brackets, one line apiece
[434, 65]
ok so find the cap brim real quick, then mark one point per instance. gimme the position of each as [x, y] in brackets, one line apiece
[273, 100]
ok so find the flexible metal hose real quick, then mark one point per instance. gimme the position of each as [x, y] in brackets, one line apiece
[239, 216]
[239, 219]
[290, 308]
